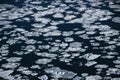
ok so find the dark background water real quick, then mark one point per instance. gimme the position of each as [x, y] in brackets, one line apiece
[63, 27]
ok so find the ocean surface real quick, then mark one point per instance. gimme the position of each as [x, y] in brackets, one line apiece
[59, 40]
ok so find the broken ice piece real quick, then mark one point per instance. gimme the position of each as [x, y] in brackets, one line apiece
[91, 56]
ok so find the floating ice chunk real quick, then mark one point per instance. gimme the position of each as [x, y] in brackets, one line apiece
[22, 68]
[115, 79]
[45, 54]
[79, 32]
[38, 25]
[117, 66]
[11, 41]
[70, 1]
[27, 72]
[35, 67]
[116, 19]
[116, 61]
[96, 77]
[113, 53]
[101, 66]
[14, 59]
[77, 20]
[10, 65]
[53, 49]
[30, 41]
[108, 57]
[115, 6]
[63, 45]
[69, 33]
[69, 17]
[69, 39]
[35, 2]
[44, 46]
[43, 61]
[5, 22]
[91, 56]
[6, 74]
[84, 74]
[110, 32]
[30, 48]
[77, 78]
[114, 71]
[42, 20]
[73, 49]
[44, 77]
[58, 73]
[95, 44]
[90, 32]
[53, 33]
[66, 60]
[90, 63]
[58, 15]
[105, 18]
[52, 27]
[19, 30]
[75, 44]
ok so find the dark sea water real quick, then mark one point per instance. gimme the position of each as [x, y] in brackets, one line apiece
[59, 40]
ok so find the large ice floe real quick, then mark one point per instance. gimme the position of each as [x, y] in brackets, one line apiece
[60, 40]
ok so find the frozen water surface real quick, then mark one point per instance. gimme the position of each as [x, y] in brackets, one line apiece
[59, 40]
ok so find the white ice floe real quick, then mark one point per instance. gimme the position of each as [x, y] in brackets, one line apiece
[101, 66]
[30, 48]
[5, 22]
[44, 77]
[58, 15]
[14, 59]
[59, 73]
[43, 61]
[69, 17]
[90, 63]
[10, 65]
[26, 72]
[67, 33]
[90, 56]
[45, 54]
[116, 61]
[38, 25]
[96, 77]
[69, 39]
[116, 19]
[114, 71]
[42, 20]
[6, 74]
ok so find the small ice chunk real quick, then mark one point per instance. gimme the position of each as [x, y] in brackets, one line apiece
[91, 56]
[58, 73]
[10, 65]
[116, 61]
[101, 66]
[44, 77]
[116, 19]
[5, 22]
[58, 15]
[90, 63]
[14, 59]
[69, 17]
[69, 39]
[38, 25]
[75, 44]
[6, 74]
[43, 61]
[96, 77]
[30, 48]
